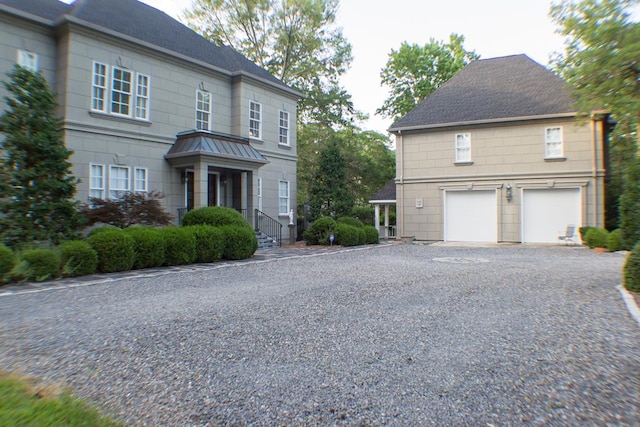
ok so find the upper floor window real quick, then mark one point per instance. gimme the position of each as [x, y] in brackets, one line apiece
[118, 180]
[283, 199]
[96, 181]
[121, 91]
[125, 93]
[553, 142]
[28, 60]
[203, 110]
[142, 97]
[255, 120]
[463, 147]
[99, 87]
[284, 128]
[140, 180]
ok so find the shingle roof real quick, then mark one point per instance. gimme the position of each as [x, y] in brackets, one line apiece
[492, 89]
[140, 21]
[388, 192]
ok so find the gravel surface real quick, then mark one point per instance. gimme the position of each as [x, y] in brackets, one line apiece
[386, 335]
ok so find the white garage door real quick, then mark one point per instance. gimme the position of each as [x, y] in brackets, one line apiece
[549, 211]
[470, 216]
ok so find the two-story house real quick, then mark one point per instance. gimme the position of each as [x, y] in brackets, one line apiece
[149, 105]
[499, 154]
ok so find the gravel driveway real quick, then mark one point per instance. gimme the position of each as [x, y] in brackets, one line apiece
[386, 335]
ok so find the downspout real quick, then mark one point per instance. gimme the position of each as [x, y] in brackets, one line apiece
[594, 156]
[400, 144]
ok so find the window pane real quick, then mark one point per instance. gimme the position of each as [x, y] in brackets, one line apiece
[254, 119]
[203, 110]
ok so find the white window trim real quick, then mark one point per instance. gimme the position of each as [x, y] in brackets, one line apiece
[547, 143]
[28, 60]
[209, 112]
[458, 149]
[258, 120]
[128, 184]
[288, 197]
[131, 92]
[145, 181]
[101, 189]
[105, 87]
[287, 128]
[146, 97]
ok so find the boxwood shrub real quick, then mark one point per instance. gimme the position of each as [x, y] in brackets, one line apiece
[41, 264]
[614, 241]
[631, 270]
[115, 248]
[371, 235]
[318, 233]
[347, 235]
[77, 258]
[216, 216]
[583, 232]
[7, 260]
[210, 242]
[180, 246]
[365, 214]
[149, 246]
[350, 221]
[240, 242]
[597, 237]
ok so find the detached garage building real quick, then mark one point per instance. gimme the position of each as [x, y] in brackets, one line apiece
[497, 154]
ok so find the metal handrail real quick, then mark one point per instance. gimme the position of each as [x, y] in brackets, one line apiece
[269, 226]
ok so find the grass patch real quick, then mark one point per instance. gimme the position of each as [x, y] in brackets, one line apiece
[27, 402]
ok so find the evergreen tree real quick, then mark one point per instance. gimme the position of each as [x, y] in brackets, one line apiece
[329, 190]
[36, 194]
[630, 206]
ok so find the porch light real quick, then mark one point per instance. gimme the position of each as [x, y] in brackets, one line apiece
[509, 193]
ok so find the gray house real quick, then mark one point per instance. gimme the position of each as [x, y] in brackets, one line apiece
[149, 105]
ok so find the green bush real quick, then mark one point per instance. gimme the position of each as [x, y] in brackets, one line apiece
[318, 233]
[354, 222]
[7, 260]
[240, 242]
[363, 213]
[210, 242]
[115, 248]
[180, 245]
[614, 241]
[371, 235]
[216, 216]
[347, 235]
[631, 270]
[597, 237]
[78, 258]
[583, 232]
[42, 264]
[149, 246]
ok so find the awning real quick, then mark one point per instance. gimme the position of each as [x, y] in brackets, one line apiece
[214, 145]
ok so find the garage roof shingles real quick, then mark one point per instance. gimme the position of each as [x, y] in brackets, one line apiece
[492, 89]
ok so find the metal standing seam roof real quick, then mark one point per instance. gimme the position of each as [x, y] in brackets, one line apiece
[216, 145]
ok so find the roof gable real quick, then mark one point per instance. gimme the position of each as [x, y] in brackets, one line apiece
[492, 89]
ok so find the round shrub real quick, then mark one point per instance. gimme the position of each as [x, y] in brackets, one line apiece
[115, 248]
[371, 235]
[614, 241]
[180, 246]
[354, 222]
[631, 270]
[597, 237]
[7, 260]
[240, 242]
[318, 233]
[347, 235]
[149, 246]
[216, 216]
[583, 232]
[78, 258]
[42, 264]
[210, 242]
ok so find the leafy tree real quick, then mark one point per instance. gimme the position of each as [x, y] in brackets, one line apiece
[295, 40]
[128, 209]
[630, 206]
[413, 72]
[329, 195]
[37, 188]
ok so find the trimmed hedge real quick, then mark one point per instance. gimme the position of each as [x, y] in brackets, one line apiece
[7, 260]
[354, 222]
[78, 258]
[41, 264]
[583, 232]
[240, 242]
[180, 245]
[115, 248]
[597, 237]
[631, 270]
[371, 235]
[149, 246]
[347, 235]
[614, 241]
[210, 242]
[216, 216]
[318, 233]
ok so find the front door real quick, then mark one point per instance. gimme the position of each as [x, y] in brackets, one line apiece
[212, 190]
[189, 190]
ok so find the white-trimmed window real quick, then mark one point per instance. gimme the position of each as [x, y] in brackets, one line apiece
[283, 131]
[553, 142]
[141, 182]
[463, 147]
[28, 60]
[118, 180]
[142, 97]
[99, 87]
[203, 110]
[121, 91]
[255, 120]
[96, 181]
[283, 198]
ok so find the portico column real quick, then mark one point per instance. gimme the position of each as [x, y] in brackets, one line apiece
[386, 220]
[376, 217]
[201, 184]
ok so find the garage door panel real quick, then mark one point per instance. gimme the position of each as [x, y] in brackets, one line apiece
[546, 212]
[471, 216]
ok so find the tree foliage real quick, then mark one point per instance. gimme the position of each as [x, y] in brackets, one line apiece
[630, 206]
[128, 209]
[413, 72]
[36, 184]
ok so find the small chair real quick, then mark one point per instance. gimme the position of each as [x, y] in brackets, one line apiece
[569, 235]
